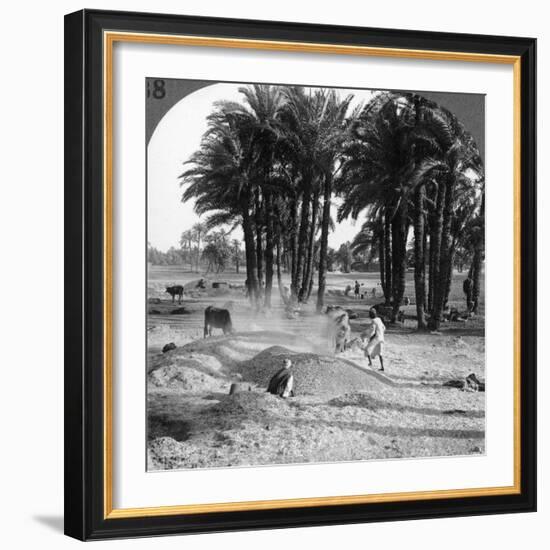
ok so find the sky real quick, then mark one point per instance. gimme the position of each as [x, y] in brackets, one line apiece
[175, 139]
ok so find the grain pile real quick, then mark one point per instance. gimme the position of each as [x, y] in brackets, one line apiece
[313, 374]
[253, 406]
[179, 357]
[180, 370]
[174, 377]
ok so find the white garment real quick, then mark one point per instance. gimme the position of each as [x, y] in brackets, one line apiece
[375, 346]
[378, 329]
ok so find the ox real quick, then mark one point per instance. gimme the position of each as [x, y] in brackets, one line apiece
[215, 317]
[176, 290]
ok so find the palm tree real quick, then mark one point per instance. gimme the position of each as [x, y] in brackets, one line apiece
[377, 162]
[311, 120]
[186, 244]
[335, 133]
[258, 117]
[299, 119]
[236, 249]
[219, 180]
[475, 240]
[199, 230]
[456, 168]
[408, 159]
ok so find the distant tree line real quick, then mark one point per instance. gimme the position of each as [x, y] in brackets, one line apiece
[173, 256]
[201, 250]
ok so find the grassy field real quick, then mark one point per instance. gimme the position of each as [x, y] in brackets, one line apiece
[343, 411]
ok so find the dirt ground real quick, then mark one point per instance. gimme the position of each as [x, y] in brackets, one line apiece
[342, 410]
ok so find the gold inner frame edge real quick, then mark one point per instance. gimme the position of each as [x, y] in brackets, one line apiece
[109, 39]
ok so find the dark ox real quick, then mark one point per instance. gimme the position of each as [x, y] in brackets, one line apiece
[176, 290]
[215, 317]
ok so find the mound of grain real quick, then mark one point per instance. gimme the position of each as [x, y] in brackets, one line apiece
[252, 404]
[206, 364]
[313, 374]
[218, 347]
[175, 377]
[231, 350]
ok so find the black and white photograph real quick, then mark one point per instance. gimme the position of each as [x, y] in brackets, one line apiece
[315, 274]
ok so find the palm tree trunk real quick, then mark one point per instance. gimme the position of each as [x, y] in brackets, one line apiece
[478, 258]
[435, 319]
[250, 253]
[399, 251]
[259, 252]
[446, 245]
[308, 275]
[419, 257]
[449, 275]
[324, 244]
[303, 234]
[198, 250]
[190, 246]
[476, 278]
[286, 258]
[388, 257]
[382, 262]
[268, 249]
[293, 246]
[310, 285]
[431, 270]
[442, 267]
[426, 233]
[280, 284]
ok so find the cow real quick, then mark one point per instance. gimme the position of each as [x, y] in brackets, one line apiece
[215, 317]
[176, 290]
[338, 329]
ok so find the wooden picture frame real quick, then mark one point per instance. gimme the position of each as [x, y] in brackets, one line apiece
[89, 39]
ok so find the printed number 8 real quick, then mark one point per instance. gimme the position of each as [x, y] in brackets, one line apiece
[159, 90]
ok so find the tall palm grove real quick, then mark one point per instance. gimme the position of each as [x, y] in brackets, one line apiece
[276, 163]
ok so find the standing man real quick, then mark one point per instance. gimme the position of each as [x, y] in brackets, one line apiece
[357, 289]
[375, 344]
